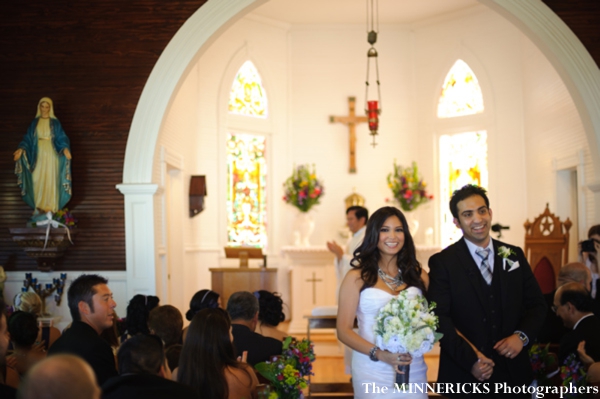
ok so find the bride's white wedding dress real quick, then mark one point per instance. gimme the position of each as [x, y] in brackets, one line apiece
[365, 372]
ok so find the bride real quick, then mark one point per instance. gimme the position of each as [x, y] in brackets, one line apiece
[383, 265]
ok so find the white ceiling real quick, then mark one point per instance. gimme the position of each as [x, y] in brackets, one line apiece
[354, 11]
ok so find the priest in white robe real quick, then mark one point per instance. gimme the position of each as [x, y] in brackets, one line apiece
[356, 219]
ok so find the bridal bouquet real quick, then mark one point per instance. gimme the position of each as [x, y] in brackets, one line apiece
[286, 372]
[406, 324]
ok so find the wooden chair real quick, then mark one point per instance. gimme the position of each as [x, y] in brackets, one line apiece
[547, 247]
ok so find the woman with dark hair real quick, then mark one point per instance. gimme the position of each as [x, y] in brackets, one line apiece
[23, 330]
[136, 321]
[383, 265]
[207, 362]
[203, 299]
[270, 314]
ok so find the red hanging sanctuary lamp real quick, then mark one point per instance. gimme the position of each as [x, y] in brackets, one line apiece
[372, 106]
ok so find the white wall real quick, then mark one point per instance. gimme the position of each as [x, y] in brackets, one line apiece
[553, 132]
[328, 66]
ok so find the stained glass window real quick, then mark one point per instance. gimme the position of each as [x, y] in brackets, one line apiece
[463, 160]
[248, 96]
[461, 94]
[246, 190]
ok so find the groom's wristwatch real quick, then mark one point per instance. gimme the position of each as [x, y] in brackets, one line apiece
[373, 353]
[523, 337]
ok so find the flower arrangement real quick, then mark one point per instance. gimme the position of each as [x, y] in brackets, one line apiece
[407, 324]
[65, 217]
[286, 372]
[542, 363]
[407, 187]
[302, 188]
[573, 373]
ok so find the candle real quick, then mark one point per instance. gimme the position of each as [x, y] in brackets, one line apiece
[48, 286]
[63, 276]
[23, 289]
[28, 275]
[34, 280]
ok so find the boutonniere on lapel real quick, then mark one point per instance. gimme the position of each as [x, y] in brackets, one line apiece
[504, 253]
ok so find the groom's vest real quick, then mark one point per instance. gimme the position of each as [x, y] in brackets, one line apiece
[493, 304]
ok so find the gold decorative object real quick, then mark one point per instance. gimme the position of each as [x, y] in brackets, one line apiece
[354, 199]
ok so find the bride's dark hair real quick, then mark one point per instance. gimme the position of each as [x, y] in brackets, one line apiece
[367, 256]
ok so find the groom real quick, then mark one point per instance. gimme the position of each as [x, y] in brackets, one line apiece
[489, 304]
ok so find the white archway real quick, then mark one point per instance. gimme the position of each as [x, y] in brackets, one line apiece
[559, 44]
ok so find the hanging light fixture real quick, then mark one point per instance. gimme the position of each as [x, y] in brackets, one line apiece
[373, 107]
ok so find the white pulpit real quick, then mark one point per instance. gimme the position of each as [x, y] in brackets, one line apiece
[313, 282]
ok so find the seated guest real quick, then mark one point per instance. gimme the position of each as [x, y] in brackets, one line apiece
[31, 302]
[173, 353]
[270, 314]
[23, 330]
[6, 391]
[92, 308]
[60, 377]
[553, 329]
[572, 303]
[138, 309]
[243, 310]
[144, 372]
[589, 256]
[208, 362]
[166, 322]
[203, 299]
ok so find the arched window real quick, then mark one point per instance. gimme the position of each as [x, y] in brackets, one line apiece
[463, 160]
[462, 156]
[461, 94]
[247, 162]
[247, 96]
[246, 189]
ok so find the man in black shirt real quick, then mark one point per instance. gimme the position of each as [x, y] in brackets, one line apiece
[243, 309]
[92, 308]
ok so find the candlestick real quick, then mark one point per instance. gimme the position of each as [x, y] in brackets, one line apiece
[56, 285]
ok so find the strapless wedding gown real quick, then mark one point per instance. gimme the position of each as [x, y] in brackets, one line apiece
[365, 372]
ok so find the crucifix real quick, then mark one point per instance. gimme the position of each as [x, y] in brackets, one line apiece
[314, 280]
[351, 121]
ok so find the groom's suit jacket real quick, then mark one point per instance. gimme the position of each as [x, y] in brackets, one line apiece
[483, 314]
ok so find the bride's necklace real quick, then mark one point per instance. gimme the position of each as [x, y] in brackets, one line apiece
[392, 282]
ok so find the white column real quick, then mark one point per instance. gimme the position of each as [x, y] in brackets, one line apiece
[139, 238]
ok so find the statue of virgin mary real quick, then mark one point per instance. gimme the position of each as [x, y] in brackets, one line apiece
[43, 162]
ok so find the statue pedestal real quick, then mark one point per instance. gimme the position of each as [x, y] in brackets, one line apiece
[32, 240]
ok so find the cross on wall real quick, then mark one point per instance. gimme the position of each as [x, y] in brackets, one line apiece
[351, 121]
[314, 280]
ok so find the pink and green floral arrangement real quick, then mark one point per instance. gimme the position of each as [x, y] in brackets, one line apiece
[287, 372]
[408, 188]
[573, 373]
[65, 217]
[302, 189]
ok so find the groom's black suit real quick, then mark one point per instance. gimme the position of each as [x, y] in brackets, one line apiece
[483, 314]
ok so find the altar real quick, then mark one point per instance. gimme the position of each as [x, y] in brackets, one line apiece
[313, 282]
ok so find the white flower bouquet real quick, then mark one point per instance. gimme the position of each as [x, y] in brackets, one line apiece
[407, 324]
